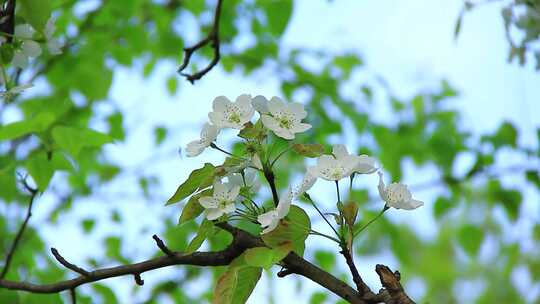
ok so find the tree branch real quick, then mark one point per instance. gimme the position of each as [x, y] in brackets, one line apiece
[361, 286]
[213, 40]
[13, 248]
[390, 281]
[67, 264]
[242, 240]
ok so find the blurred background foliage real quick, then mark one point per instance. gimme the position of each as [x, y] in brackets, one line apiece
[49, 134]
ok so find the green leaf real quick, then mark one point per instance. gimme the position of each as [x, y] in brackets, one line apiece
[41, 170]
[17, 129]
[193, 208]
[278, 14]
[236, 284]
[442, 206]
[266, 257]
[197, 180]
[253, 131]
[73, 140]
[202, 233]
[172, 85]
[294, 229]
[309, 150]
[160, 133]
[326, 259]
[35, 12]
[470, 238]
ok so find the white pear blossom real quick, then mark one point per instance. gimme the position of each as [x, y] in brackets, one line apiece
[335, 168]
[366, 164]
[28, 49]
[307, 182]
[397, 195]
[270, 220]
[285, 119]
[208, 135]
[227, 114]
[221, 202]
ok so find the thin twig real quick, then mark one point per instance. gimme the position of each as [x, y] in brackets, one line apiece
[361, 286]
[67, 264]
[138, 279]
[73, 296]
[13, 248]
[213, 40]
[162, 246]
[320, 212]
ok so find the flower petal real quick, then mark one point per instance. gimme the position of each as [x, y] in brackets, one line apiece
[266, 219]
[275, 106]
[339, 151]
[194, 148]
[208, 202]
[220, 103]
[260, 103]
[300, 127]
[297, 109]
[233, 193]
[229, 208]
[31, 48]
[213, 214]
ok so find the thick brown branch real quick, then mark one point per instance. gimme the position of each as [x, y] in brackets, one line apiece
[13, 248]
[213, 40]
[390, 281]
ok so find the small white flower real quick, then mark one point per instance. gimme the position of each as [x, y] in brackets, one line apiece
[285, 119]
[28, 49]
[208, 135]
[335, 168]
[270, 220]
[11, 93]
[221, 202]
[366, 164]
[397, 195]
[227, 114]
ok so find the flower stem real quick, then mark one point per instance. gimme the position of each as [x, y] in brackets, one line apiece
[279, 156]
[214, 146]
[370, 222]
[322, 215]
[324, 235]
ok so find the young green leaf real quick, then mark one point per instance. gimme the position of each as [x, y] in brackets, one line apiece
[193, 208]
[202, 233]
[309, 150]
[73, 140]
[35, 12]
[197, 180]
[236, 284]
[294, 229]
[38, 123]
[266, 257]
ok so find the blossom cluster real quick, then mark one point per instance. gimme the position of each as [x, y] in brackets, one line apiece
[285, 121]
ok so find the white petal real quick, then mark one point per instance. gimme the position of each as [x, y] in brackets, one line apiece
[300, 127]
[235, 179]
[50, 28]
[267, 218]
[213, 214]
[31, 48]
[19, 60]
[24, 31]
[284, 204]
[275, 105]
[209, 133]
[284, 133]
[233, 193]
[298, 110]
[309, 180]
[269, 122]
[20, 88]
[381, 187]
[220, 190]
[208, 202]
[220, 103]
[54, 46]
[244, 102]
[217, 119]
[366, 164]
[260, 103]
[339, 151]
[413, 204]
[194, 148]
[326, 161]
[229, 208]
